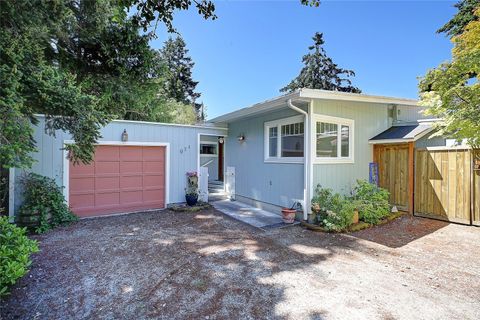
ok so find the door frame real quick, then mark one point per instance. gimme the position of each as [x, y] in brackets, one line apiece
[66, 163]
[224, 149]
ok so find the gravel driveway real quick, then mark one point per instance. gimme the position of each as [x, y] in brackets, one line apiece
[207, 266]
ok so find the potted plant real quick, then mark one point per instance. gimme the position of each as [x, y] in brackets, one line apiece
[288, 214]
[191, 191]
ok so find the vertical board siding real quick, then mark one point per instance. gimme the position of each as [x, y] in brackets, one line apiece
[443, 184]
[274, 183]
[183, 151]
[370, 120]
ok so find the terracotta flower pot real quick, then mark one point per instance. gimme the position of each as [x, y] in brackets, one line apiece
[288, 215]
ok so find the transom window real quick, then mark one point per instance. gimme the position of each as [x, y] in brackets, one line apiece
[208, 149]
[333, 139]
[284, 139]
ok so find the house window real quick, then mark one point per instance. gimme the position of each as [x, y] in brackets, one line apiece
[333, 139]
[292, 140]
[208, 149]
[284, 140]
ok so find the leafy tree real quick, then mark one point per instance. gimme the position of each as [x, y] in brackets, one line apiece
[464, 16]
[320, 72]
[81, 63]
[179, 84]
[452, 90]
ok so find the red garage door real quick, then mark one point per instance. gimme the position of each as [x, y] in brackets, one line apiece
[120, 179]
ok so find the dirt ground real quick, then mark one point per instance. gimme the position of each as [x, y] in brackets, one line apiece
[207, 266]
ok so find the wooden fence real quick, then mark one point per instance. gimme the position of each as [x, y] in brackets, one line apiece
[447, 186]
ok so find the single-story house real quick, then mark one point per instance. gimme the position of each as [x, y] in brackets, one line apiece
[271, 154]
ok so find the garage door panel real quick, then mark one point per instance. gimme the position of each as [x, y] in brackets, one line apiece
[153, 154]
[132, 197]
[82, 201]
[135, 181]
[153, 167]
[121, 179]
[131, 153]
[107, 183]
[81, 169]
[154, 180]
[131, 167]
[83, 184]
[107, 199]
[153, 195]
[107, 167]
[106, 153]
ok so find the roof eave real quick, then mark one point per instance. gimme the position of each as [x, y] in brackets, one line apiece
[357, 97]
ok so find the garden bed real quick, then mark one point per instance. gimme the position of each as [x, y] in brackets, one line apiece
[186, 208]
[354, 227]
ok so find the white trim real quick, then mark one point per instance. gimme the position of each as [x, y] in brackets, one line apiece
[11, 194]
[357, 97]
[211, 127]
[278, 123]
[224, 152]
[66, 163]
[351, 143]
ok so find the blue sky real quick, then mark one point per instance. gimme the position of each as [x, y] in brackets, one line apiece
[255, 47]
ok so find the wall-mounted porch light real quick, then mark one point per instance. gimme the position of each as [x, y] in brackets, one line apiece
[241, 137]
[124, 135]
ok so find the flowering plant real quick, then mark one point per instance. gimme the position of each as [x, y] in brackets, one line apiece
[192, 174]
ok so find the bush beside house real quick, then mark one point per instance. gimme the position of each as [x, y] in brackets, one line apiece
[44, 205]
[335, 212]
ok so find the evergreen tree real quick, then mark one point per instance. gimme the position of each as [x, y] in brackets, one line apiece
[320, 72]
[179, 84]
[462, 18]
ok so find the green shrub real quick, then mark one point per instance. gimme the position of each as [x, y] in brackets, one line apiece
[372, 201]
[334, 210]
[15, 251]
[341, 217]
[44, 206]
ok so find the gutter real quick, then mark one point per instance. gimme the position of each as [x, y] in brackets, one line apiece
[306, 158]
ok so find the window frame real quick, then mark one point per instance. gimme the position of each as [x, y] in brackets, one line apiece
[351, 139]
[278, 124]
[215, 155]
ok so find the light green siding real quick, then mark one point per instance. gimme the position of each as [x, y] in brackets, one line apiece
[369, 120]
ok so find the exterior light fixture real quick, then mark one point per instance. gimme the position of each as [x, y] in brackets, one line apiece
[124, 135]
[241, 137]
[221, 140]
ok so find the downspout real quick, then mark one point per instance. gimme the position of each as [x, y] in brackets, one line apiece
[306, 159]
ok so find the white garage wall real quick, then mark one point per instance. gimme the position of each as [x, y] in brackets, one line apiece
[183, 141]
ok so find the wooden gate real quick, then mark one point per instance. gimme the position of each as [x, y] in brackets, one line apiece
[395, 162]
[446, 186]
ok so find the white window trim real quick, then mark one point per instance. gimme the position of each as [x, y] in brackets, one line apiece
[210, 143]
[339, 122]
[278, 123]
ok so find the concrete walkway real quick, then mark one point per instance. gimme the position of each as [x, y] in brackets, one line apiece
[253, 216]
